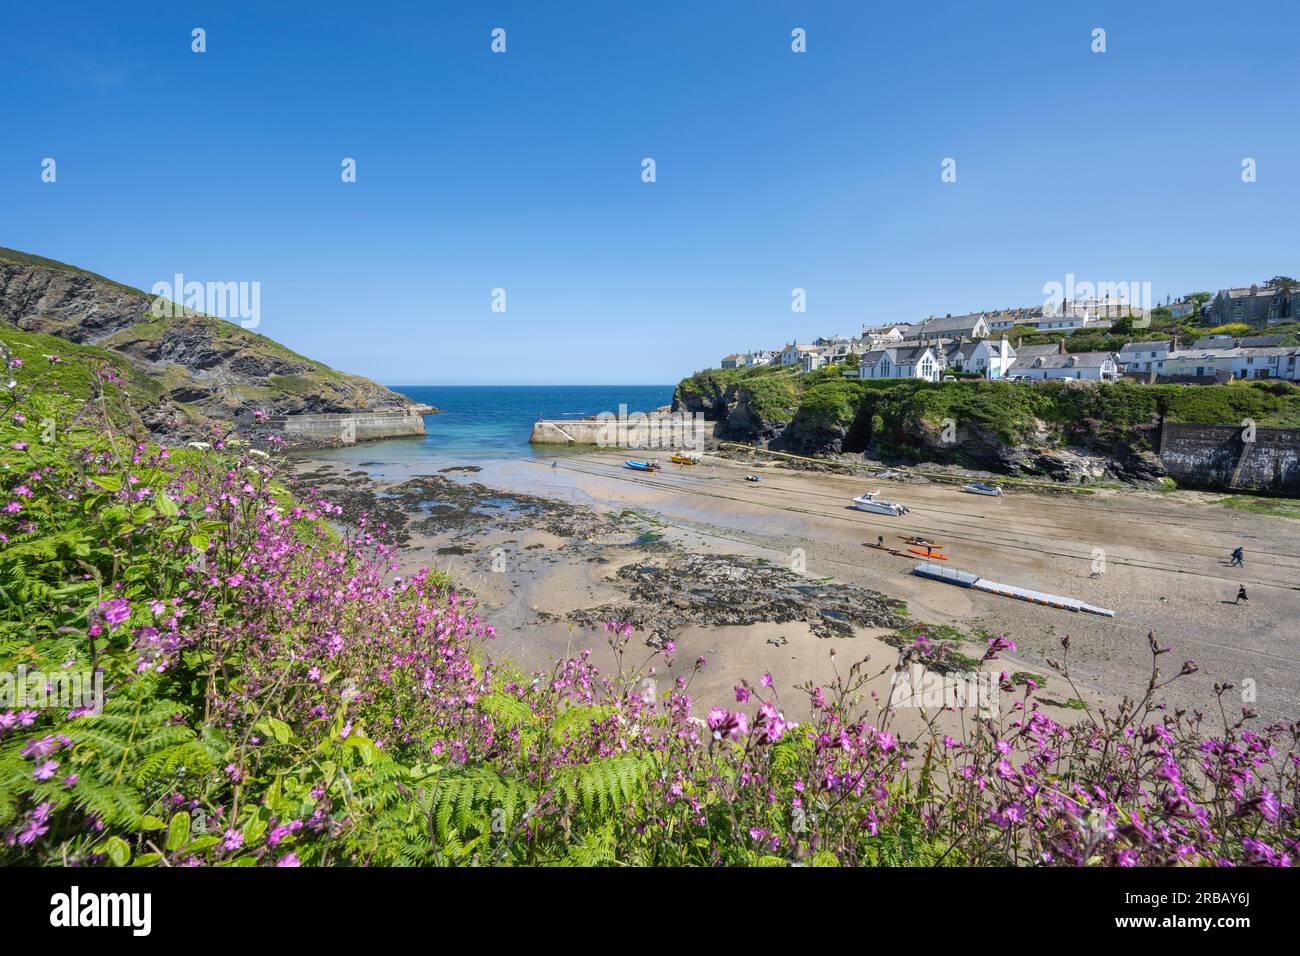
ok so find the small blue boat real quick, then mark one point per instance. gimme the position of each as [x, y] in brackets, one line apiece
[642, 465]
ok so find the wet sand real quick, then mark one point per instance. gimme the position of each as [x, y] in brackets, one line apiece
[1165, 569]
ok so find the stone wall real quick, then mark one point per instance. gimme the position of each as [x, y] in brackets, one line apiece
[1215, 456]
[636, 432]
[344, 429]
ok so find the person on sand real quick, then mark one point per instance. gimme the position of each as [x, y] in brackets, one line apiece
[880, 541]
[1241, 595]
[1238, 558]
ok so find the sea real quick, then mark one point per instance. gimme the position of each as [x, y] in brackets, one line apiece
[494, 422]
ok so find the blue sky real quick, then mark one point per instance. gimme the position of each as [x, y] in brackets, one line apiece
[522, 170]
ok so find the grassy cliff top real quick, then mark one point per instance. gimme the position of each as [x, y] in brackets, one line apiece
[187, 363]
[30, 259]
[1011, 409]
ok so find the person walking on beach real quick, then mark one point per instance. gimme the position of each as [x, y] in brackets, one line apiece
[1241, 595]
[1238, 558]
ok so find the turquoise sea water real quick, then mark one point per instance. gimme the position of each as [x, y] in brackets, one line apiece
[494, 421]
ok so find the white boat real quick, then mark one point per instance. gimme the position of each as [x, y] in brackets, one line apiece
[869, 502]
[980, 488]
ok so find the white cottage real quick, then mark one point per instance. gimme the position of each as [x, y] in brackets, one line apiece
[918, 362]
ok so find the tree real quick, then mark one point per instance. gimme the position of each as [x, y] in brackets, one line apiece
[852, 360]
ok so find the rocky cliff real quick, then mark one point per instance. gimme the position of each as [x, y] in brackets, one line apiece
[207, 369]
[1064, 431]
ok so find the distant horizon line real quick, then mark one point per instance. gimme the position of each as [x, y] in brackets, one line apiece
[535, 385]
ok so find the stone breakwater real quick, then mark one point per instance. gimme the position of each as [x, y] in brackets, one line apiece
[347, 428]
[635, 431]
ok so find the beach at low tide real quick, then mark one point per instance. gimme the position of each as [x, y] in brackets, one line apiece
[1160, 561]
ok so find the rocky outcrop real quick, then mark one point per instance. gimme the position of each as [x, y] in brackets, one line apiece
[210, 369]
[1072, 455]
[72, 304]
[731, 406]
[1043, 455]
[726, 590]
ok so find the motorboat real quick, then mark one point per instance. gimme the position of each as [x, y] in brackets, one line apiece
[869, 502]
[980, 488]
[681, 458]
[642, 465]
[753, 477]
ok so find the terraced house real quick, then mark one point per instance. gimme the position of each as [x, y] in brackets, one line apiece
[1281, 362]
[1083, 366]
[972, 325]
[1144, 356]
[793, 353]
[1255, 305]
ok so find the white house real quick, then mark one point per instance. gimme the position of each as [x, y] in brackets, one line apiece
[1282, 362]
[1008, 319]
[988, 357]
[1114, 307]
[756, 359]
[973, 325]
[992, 358]
[815, 359]
[884, 335]
[917, 362]
[1085, 366]
[1144, 356]
[1062, 321]
[793, 353]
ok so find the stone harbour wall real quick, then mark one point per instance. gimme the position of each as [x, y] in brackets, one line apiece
[646, 432]
[349, 427]
[1218, 457]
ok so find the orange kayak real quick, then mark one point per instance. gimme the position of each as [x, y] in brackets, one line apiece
[928, 554]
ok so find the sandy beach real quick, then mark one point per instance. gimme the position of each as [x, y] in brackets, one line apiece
[543, 541]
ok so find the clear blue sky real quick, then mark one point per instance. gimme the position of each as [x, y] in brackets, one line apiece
[523, 170]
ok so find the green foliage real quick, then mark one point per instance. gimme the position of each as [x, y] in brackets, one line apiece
[894, 415]
[772, 391]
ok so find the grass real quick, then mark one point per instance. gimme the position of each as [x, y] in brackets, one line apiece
[1272, 507]
[1072, 704]
[73, 375]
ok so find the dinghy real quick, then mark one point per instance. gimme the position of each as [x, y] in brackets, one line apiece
[980, 488]
[869, 502]
[753, 478]
[642, 465]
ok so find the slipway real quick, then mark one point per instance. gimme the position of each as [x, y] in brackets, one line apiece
[966, 579]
